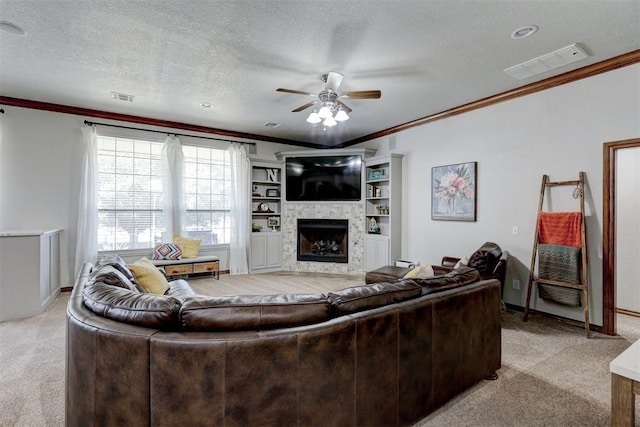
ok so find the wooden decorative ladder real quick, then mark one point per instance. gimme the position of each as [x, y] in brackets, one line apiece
[584, 278]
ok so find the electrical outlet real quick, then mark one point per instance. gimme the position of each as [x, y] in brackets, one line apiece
[515, 230]
[515, 284]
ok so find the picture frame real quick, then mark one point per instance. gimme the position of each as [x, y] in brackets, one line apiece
[454, 192]
[273, 221]
[375, 174]
[272, 192]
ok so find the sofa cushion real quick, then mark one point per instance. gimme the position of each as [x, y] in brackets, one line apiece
[252, 312]
[149, 277]
[116, 262]
[112, 276]
[458, 277]
[135, 308]
[360, 298]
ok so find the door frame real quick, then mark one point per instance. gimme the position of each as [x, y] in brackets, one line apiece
[609, 232]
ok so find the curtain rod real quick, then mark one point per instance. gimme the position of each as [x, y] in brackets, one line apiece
[87, 122]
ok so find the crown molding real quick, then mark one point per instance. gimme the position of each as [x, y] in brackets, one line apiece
[87, 112]
[561, 79]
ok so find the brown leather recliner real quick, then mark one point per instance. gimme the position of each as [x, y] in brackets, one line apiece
[489, 260]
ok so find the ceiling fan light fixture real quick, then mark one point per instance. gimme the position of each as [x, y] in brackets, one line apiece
[341, 115]
[313, 118]
[324, 112]
[330, 121]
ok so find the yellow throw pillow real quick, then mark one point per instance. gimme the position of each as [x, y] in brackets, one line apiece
[190, 247]
[148, 276]
[420, 272]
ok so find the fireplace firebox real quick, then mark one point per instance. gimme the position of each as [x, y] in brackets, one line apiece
[323, 240]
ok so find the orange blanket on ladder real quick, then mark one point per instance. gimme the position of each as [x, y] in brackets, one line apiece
[560, 228]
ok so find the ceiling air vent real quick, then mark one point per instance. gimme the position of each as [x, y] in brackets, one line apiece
[548, 62]
[122, 97]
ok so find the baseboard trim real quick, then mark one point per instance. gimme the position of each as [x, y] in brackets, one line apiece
[572, 322]
[627, 312]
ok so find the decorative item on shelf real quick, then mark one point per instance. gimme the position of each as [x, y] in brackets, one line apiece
[263, 208]
[256, 227]
[453, 192]
[371, 191]
[273, 192]
[374, 228]
[255, 192]
[272, 175]
[382, 209]
[378, 192]
[375, 174]
[273, 221]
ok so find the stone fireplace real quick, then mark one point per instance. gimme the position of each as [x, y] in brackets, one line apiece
[323, 240]
[352, 213]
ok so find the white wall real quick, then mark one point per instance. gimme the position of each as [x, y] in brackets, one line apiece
[558, 132]
[628, 229]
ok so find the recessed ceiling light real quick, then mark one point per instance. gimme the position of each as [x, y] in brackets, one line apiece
[205, 105]
[271, 125]
[11, 28]
[523, 32]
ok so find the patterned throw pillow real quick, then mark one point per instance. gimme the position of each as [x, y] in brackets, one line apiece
[112, 276]
[167, 251]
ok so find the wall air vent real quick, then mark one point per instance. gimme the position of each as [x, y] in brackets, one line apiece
[547, 62]
[122, 97]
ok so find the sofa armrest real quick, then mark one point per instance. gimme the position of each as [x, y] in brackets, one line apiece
[448, 261]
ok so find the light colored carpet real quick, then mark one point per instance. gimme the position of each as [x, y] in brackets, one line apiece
[551, 374]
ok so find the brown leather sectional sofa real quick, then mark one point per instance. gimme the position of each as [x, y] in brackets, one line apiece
[385, 354]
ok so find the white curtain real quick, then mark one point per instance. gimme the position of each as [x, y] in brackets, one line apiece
[174, 208]
[239, 246]
[87, 232]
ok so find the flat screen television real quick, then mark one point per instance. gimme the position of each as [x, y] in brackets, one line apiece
[323, 178]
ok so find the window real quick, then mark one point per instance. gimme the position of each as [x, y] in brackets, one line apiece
[131, 198]
[207, 178]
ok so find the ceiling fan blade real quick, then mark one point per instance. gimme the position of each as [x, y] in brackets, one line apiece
[297, 92]
[333, 81]
[303, 107]
[362, 94]
[344, 106]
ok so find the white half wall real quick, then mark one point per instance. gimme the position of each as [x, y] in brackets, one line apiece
[558, 132]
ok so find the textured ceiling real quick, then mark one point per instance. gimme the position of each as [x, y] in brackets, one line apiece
[425, 56]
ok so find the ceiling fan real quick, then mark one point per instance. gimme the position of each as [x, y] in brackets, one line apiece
[329, 109]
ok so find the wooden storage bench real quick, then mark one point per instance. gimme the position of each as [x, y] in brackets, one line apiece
[187, 266]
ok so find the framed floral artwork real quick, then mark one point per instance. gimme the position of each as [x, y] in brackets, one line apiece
[453, 192]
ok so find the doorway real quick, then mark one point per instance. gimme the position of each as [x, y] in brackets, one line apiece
[609, 232]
